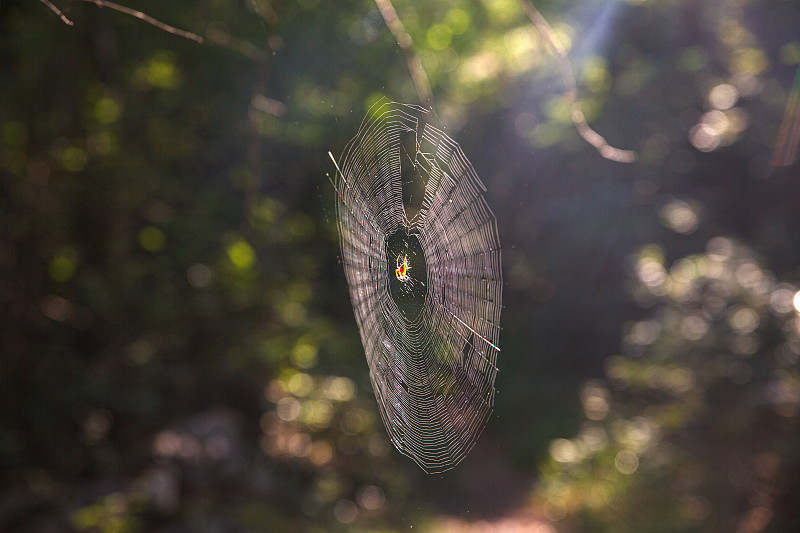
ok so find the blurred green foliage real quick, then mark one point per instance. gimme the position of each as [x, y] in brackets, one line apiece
[697, 421]
[178, 351]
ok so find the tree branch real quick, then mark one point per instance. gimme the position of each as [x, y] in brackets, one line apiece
[146, 18]
[128, 11]
[225, 40]
[405, 42]
[58, 12]
[570, 91]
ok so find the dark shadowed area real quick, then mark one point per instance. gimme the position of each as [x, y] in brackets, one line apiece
[178, 350]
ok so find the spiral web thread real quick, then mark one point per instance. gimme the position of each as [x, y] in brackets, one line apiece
[433, 374]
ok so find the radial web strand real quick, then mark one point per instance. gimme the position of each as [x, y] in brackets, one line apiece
[422, 259]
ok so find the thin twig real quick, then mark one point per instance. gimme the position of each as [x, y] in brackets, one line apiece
[147, 18]
[570, 91]
[224, 39]
[58, 12]
[405, 42]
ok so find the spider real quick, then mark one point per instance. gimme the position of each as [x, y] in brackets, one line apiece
[402, 269]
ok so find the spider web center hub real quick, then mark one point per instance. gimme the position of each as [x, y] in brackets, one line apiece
[409, 292]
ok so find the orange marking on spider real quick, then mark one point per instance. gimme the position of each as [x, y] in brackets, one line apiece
[402, 269]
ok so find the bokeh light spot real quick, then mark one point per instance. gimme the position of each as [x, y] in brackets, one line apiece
[288, 408]
[340, 389]
[321, 453]
[651, 272]
[501, 11]
[199, 275]
[317, 414]
[74, 159]
[458, 20]
[704, 137]
[723, 96]
[749, 61]
[643, 333]
[300, 384]
[371, 497]
[480, 67]
[304, 353]
[241, 254]
[564, 451]
[439, 36]
[781, 299]
[63, 264]
[107, 110]
[743, 319]
[345, 511]
[680, 216]
[520, 41]
[152, 238]
[595, 400]
[627, 462]
[160, 71]
[733, 33]
[694, 328]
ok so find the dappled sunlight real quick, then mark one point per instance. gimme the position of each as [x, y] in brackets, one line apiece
[178, 346]
[721, 359]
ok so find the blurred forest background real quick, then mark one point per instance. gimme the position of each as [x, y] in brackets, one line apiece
[178, 350]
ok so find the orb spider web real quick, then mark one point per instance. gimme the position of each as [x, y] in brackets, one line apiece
[421, 255]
